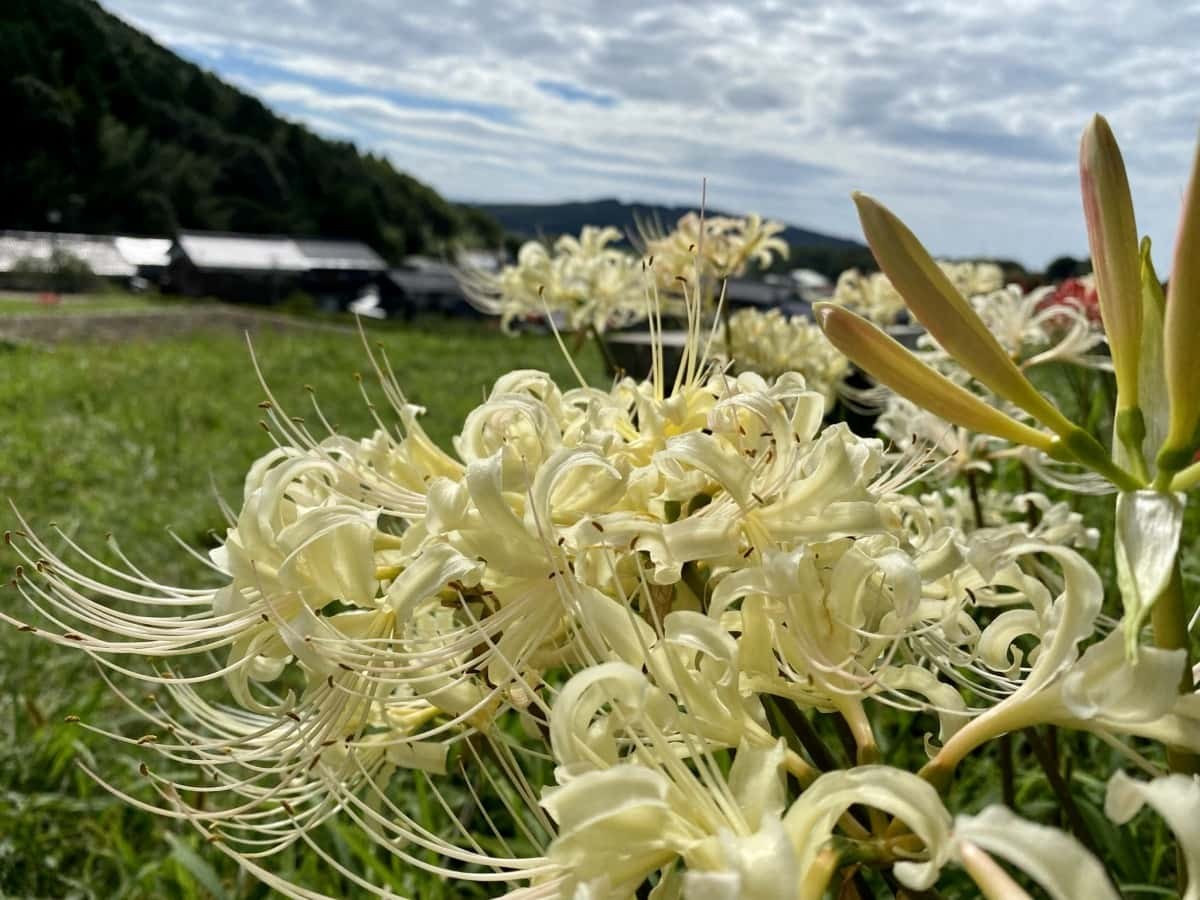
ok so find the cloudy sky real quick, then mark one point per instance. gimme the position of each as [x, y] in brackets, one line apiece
[963, 117]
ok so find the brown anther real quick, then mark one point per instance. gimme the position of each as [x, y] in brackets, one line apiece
[143, 770]
[264, 426]
[329, 680]
[71, 719]
[19, 571]
[760, 500]
[597, 526]
[264, 404]
[26, 628]
[316, 759]
[345, 667]
[72, 636]
[147, 739]
[292, 716]
[746, 555]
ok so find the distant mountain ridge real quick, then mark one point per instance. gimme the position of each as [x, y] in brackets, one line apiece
[552, 219]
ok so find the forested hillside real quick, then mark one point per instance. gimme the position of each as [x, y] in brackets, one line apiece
[118, 134]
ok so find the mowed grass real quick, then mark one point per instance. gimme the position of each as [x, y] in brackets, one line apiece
[132, 439]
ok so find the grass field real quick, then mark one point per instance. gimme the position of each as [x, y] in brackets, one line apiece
[131, 438]
[27, 303]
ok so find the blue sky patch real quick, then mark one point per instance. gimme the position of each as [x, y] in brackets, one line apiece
[572, 93]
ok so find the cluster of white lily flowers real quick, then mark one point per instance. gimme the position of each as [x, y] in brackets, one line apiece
[771, 344]
[583, 280]
[711, 248]
[1034, 328]
[586, 284]
[874, 297]
[600, 632]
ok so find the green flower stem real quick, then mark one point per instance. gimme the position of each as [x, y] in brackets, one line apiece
[1043, 748]
[604, 350]
[1168, 618]
[1184, 480]
[1131, 431]
[1079, 446]
[799, 725]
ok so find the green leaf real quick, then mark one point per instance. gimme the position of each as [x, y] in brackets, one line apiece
[205, 875]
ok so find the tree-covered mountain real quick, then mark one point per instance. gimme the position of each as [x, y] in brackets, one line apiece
[115, 133]
[809, 249]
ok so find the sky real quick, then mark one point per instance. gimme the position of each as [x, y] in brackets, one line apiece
[962, 117]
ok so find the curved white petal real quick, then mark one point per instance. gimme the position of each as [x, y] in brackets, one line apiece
[1054, 859]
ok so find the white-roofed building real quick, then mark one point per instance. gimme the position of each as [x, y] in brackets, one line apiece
[241, 253]
[267, 268]
[144, 253]
[36, 249]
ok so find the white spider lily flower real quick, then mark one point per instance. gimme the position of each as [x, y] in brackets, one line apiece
[719, 247]
[771, 344]
[1101, 690]
[940, 697]
[874, 297]
[1035, 331]
[591, 284]
[294, 535]
[618, 825]
[871, 296]
[810, 821]
[1174, 797]
[1054, 859]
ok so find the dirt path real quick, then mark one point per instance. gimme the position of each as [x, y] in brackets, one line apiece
[150, 324]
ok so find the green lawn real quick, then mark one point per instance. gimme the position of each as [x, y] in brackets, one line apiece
[129, 438]
[21, 304]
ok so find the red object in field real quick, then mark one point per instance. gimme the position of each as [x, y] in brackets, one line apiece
[1078, 293]
[49, 298]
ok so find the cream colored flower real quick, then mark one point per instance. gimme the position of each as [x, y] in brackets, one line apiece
[771, 344]
[583, 279]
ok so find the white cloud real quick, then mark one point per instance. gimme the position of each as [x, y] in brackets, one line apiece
[964, 117]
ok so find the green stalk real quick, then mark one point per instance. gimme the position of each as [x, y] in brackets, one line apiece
[1043, 745]
[1168, 617]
